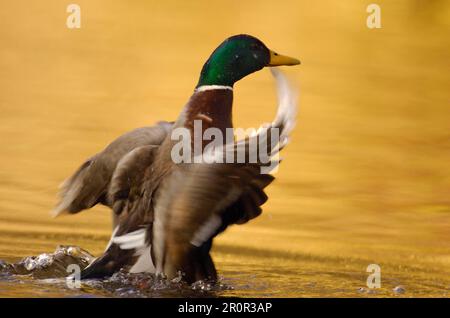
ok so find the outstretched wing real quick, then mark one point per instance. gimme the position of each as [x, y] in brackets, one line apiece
[199, 200]
[128, 245]
[89, 184]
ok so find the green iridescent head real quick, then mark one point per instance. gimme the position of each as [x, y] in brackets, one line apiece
[237, 57]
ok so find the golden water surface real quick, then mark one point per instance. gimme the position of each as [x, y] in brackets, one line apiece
[365, 179]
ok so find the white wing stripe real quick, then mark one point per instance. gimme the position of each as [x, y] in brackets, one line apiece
[206, 231]
[131, 240]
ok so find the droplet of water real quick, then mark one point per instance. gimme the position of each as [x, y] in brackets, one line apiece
[3, 264]
[29, 263]
[399, 289]
[5, 268]
[44, 260]
[178, 278]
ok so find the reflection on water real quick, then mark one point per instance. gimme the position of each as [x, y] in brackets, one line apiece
[365, 178]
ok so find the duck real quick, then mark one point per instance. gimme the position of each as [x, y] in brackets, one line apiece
[166, 214]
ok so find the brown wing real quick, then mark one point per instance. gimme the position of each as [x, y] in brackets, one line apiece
[89, 184]
[199, 200]
[195, 204]
[126, 193]
[125, 196]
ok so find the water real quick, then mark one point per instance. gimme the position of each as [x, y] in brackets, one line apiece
[365, 178]
[47, 274]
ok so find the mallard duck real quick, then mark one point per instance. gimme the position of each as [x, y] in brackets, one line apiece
[165, 214]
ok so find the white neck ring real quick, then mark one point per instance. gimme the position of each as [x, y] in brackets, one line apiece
[212, 87]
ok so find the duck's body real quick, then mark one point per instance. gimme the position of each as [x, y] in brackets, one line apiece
[166, 213]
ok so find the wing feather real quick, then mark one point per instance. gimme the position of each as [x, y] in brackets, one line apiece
[89, 184]
[195, 194]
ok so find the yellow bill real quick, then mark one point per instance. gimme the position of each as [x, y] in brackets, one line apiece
[278, 59]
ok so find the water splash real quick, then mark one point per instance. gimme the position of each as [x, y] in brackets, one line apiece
[50, 265]
[50, 269]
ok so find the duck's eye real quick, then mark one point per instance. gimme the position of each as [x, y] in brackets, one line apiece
[253, 46]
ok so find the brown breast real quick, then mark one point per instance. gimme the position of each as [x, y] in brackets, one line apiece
[212, 107]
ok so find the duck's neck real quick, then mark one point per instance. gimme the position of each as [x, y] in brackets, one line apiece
[212, 105]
